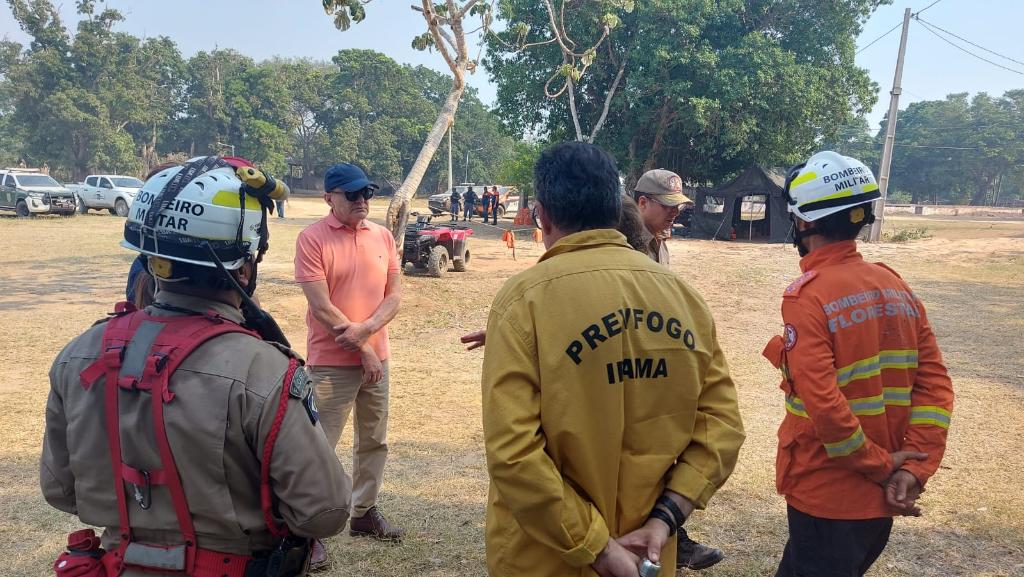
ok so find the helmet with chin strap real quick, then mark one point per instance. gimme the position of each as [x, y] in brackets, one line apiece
[828, 183]
[210, 212]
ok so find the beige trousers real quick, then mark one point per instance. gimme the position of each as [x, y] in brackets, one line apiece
[338, 389]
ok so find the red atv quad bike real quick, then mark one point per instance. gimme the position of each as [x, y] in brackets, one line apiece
[432, 247]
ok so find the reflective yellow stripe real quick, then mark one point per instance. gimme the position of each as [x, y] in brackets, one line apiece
[796, 406]
[785, 371]
[929, 415]
[841, 194]
[863, 406]
[897, 396]
[869, 188]
[230, 199]
[867, 405]
[805, 177]
[874, 365]
[847, 446]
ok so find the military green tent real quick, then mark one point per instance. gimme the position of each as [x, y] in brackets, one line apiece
[752, 206]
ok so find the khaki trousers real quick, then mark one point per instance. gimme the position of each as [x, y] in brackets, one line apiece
[338, 389]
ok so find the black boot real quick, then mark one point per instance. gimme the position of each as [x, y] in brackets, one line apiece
[692, 555]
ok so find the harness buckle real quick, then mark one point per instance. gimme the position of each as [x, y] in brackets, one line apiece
[145, 500]
[161, 361]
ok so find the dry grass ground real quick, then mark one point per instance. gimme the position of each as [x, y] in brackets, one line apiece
[59, 275]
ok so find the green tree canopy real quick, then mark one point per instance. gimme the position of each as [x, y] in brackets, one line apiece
[708, 87]
[99, 100]
[960, 150]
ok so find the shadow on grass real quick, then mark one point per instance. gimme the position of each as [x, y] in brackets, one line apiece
[436, 493]
[56, 280]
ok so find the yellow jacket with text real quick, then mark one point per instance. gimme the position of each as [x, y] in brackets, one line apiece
[603, 384]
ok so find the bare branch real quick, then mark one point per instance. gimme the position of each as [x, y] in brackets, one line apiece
[607, 102]
[465, 9]
[441, 20]
[547, 91]
[561, 37]
[562, 30]
[444, 34]
[522, 47]
[572, 109]
[434, 28]
[460, 34]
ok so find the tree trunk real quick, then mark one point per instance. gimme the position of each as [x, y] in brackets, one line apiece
[980, 193]
[307, 166]
[664, 117]
[396, 217]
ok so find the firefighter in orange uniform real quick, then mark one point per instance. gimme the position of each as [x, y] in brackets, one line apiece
[868, 399]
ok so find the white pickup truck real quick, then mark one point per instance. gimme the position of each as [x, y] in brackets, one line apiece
[110, 191]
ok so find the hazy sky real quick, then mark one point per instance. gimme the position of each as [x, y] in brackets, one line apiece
[299, 28]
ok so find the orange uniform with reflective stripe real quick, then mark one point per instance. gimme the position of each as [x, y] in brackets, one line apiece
[863, 378]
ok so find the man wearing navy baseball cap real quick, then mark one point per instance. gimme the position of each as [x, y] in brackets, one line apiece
[348, 269]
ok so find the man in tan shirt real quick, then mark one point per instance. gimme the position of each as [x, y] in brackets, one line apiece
[659, 195]
[219, 406]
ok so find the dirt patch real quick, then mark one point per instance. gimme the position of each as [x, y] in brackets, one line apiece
[59, 275]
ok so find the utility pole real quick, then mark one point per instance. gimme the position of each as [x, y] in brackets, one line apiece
[890, 134]
[231, 146]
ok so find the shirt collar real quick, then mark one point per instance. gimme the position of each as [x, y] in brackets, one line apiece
[200, 305]
[333, 222]
[584, 240]
[834, 253]
[651, 241]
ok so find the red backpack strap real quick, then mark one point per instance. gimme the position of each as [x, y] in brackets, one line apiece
[266, 497]
[141, 352]
[180, 337]
[116, 336]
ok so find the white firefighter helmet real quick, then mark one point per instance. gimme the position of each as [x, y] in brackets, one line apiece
[181, 210]
[828, 183]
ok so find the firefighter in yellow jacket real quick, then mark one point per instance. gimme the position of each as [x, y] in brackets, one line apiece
[609, 413]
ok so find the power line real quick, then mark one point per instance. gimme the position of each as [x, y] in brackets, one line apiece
[971, 43]
[938, 147]
[929, 6]
[898, 24]
[961, 48]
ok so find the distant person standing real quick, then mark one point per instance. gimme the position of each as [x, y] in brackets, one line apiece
[487, 203]
[469, 198]
[348, 269]
[494, 205]
[456, 202]
[280, 207]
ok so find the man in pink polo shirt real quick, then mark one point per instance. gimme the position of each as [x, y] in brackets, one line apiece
[348, 269]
